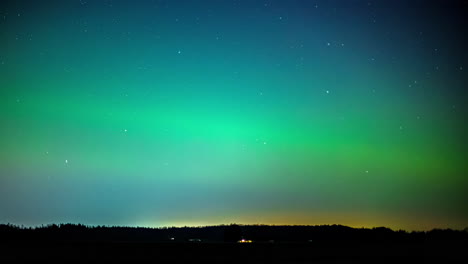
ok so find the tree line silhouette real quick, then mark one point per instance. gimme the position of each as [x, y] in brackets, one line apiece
[323, 234]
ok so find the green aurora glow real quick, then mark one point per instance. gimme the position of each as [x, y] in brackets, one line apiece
[208, 112]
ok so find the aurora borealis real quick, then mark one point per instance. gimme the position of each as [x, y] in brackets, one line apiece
[162, 113]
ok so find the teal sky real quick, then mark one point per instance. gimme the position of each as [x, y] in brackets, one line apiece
[161, 113]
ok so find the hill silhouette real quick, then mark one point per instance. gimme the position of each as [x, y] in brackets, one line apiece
[325, 243]
[227, 233]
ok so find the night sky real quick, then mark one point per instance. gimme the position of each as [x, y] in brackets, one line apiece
[172, 113]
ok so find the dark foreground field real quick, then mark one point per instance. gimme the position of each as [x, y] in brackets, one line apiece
[218, 244]
[232, 253]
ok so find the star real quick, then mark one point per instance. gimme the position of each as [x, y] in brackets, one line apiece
[327, 91]
[179, 52]
[66, 161]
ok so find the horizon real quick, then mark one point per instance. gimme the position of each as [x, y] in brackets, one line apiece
[38, 226]
[195, 112]
[225, 225]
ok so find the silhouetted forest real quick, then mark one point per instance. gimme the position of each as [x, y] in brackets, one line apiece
[218, 244]
[227, 233]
